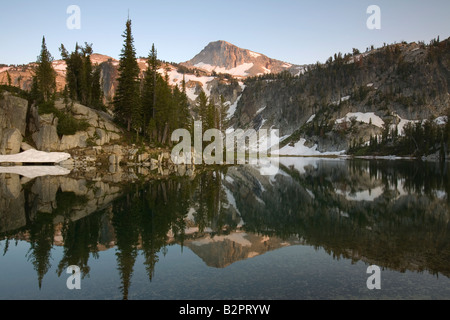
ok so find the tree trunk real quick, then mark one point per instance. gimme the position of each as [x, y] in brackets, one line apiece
[165, 133]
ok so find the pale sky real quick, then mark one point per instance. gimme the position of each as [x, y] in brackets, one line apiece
[295, 31]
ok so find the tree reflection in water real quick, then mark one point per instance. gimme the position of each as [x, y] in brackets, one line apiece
[391, 213]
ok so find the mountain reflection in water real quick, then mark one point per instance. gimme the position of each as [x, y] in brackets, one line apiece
[394, 214]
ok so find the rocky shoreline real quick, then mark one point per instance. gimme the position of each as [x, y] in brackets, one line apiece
[118, 158]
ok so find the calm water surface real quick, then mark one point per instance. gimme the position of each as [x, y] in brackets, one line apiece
[309, 232]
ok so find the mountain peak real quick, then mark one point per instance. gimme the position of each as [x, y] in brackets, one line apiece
[222, 42]
[224, 57]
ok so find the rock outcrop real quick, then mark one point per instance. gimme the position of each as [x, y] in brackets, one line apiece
[100, 131]
[18, 121]
[11, 141]
[13, 115]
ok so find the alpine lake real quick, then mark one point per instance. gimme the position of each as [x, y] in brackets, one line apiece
[312, 231]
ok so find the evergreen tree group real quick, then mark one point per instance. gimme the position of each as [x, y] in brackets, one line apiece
[83, 79]
[146, 103]
[212, 115]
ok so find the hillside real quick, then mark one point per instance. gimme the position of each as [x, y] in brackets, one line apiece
[350, 97]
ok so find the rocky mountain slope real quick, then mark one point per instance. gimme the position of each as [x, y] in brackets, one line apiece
[351, 97]
[224, 57]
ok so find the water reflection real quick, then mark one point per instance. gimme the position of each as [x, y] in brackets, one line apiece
[391, 213]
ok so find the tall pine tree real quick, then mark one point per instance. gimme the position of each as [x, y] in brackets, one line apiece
[149, 93]
[163, 107]
[45, 75]
[74, 64]
[210, 115]
[97, 91]
[185, 118]
[223, 114]
[201, 107]
[86, 79]
[127, 103]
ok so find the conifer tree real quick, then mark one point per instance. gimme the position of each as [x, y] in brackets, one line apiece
[210, 115]
[96, 90]
[176, 119]
[223, 114]
[149, 89]
[73, 70]
[86, 75]
[127, 100]
[201, 106]
[8, 77]
[185, 121]
[163, 107]
[45, 75]
[83, 79]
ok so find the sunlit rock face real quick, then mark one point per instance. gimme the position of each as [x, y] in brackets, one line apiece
[13, 117]
[224, 57]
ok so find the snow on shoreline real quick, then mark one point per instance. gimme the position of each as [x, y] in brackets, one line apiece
[35, 156]
[32, 172]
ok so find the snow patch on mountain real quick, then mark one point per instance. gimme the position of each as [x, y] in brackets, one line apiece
[401, 123]
[233, 107]
[261, 110]
[254, 54]
[299, 149]
[368, 117]
[311, 119]
[190, 92]
[176, 78]
[239, 71]
[440, 121]
[4, 69]
[59, 65]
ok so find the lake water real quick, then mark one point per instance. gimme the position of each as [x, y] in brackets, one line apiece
[309, 232]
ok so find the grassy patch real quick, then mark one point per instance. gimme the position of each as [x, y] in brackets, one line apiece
[67, 124]
[15, 91]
